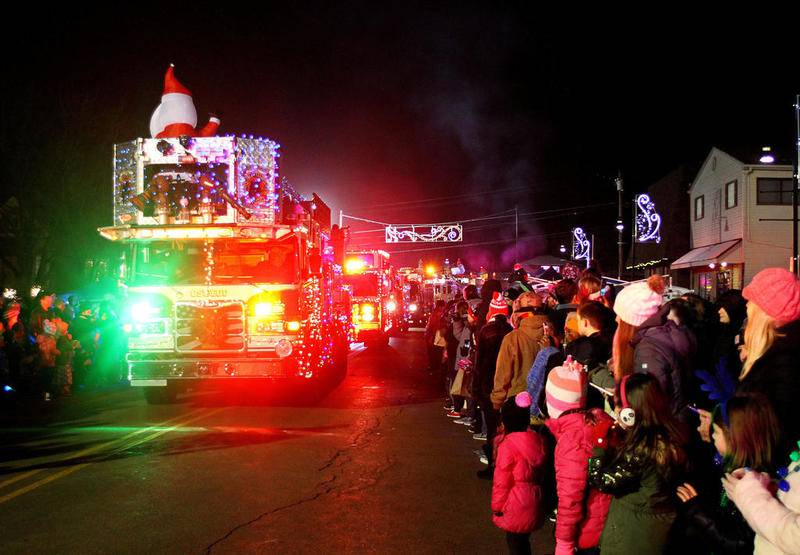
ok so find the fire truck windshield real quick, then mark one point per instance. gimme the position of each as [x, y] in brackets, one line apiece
[227, 261]
[364, 285]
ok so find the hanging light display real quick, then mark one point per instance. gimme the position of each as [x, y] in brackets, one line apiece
[450, 233]
[581, 246]
[648, 221]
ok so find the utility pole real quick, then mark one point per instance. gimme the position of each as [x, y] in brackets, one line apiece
[516, 234]
[620, 225]
[796, 186]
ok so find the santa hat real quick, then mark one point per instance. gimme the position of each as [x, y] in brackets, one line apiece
[565, 389]
[172, 85]
[497, 306]
[639, 301]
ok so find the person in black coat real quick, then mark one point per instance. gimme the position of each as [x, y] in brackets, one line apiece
[732, 311]
[772, 349]
[489, 340]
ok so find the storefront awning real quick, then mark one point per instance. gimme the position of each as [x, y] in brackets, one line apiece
[727, 251]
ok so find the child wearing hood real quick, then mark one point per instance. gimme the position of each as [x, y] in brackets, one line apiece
[517, 496]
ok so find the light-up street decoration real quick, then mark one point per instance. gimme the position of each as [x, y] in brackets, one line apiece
[581, 246]
[648, 221]
[450, 233]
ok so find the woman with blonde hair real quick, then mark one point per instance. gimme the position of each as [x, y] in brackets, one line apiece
[771, 363]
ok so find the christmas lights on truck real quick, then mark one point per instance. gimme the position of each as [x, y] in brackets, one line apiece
[228, 272]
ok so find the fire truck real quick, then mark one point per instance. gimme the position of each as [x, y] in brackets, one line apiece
[227, 273]
[414, 312]
[371, 282]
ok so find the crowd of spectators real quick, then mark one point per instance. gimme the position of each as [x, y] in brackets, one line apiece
[51, 346]
[648, 425]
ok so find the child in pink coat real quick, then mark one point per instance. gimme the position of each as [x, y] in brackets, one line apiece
[582, 509]
[517, 497]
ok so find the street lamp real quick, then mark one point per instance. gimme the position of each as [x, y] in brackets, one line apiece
[562, 249]
[766, 156]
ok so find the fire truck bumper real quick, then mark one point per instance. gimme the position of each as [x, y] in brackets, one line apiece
[153, 370]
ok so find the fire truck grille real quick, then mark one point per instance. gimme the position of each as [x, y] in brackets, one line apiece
[209, 327]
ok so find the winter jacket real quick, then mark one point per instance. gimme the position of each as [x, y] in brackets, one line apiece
[537, 378]
[775, 521]
[489, 340]
[517, 492]
[643, 508]
[463, 334]
[517, 353]
[582, 509]
[777, 375]
[721, 530]
[666, 350]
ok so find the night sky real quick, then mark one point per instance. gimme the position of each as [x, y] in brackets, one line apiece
[404, 113]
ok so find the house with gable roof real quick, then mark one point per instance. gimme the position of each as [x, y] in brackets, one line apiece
[740, 222]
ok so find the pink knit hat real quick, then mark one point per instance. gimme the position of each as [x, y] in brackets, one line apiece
[639, 301]
[566, 388]
[777, 292]
[497, 306]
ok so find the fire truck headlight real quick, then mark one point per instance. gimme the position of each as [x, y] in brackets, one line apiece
[284, 348]
[293, 326]
[264, 309]
[354, 266]
[413, 307]
[367, 313]
[391, 306]
[143, 311]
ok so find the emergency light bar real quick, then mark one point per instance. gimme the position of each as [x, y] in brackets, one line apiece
[146, 233]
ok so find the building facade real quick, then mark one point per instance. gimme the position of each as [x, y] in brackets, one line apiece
[740, 223]
[652, 253]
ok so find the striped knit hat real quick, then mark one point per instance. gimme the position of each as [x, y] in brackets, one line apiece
[566, 388]
[497, 306]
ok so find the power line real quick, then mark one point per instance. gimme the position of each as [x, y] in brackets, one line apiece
[545, 214]
[450, 197]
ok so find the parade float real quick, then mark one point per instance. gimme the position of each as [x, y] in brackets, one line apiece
[229, 274]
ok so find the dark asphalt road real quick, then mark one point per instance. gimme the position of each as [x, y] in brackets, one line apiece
[374, 466]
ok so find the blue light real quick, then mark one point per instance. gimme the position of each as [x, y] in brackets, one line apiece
[8, 388]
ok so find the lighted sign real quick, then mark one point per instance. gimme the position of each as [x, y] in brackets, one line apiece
[451, 233]
[581, 246]
[648, 221]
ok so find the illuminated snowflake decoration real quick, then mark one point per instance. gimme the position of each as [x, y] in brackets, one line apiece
[452, 233]
[648, 221]
[581, 246]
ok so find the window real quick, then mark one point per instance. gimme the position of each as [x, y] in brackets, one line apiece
[774, 190]
[731, 194]
[699, 208]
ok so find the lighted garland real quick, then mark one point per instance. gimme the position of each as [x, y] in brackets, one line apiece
[208, 250]
[316, 348]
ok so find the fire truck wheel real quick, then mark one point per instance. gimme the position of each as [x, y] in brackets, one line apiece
[160, 395]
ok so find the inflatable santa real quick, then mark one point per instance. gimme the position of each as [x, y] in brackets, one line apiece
[176, 115]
